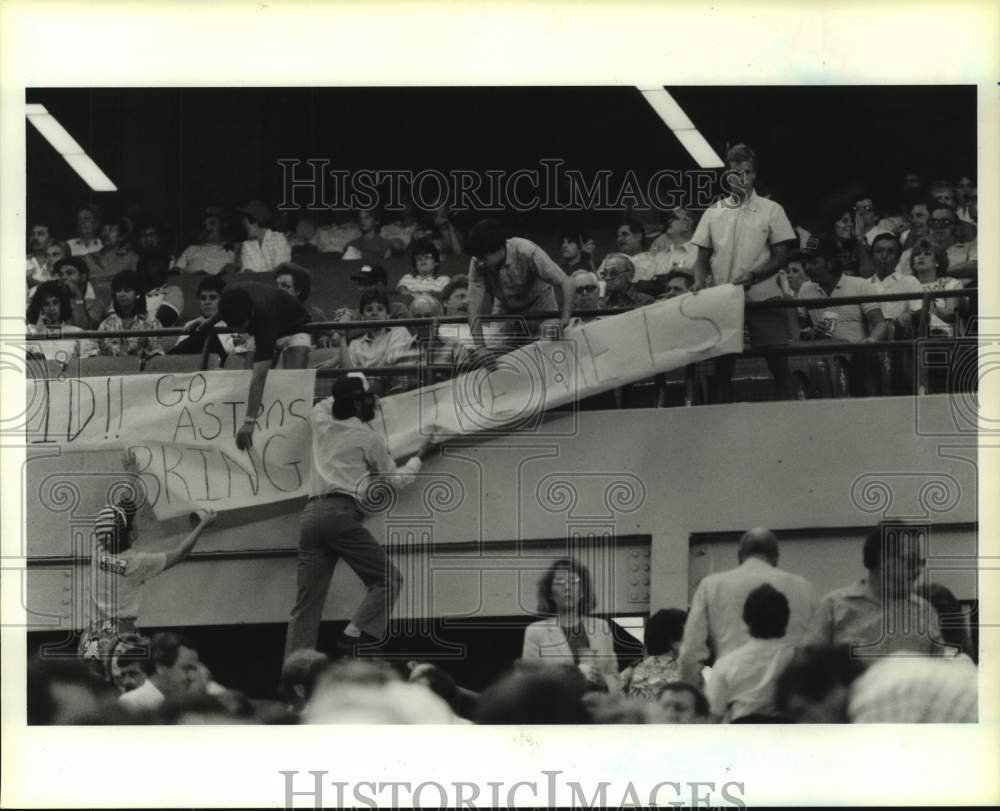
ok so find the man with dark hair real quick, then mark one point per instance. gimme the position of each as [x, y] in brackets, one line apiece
[742, 683]
[673, 249]
[744, 239]
[172, 670]
[374, 277]
[963, 257]
[263, 249]
[74, 273]
[631, 240]
[681, 703]
[576, 252]
[348, 458]
[209, 294]
[715, 624]
[275, 320]
[512, 276]
[677, 282]
[296, 280]
[40, 237]
[880, 614]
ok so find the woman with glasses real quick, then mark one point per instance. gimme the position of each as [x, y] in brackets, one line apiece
[569, 634]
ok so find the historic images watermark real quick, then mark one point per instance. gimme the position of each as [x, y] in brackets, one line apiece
[545, 791]
[312, 184]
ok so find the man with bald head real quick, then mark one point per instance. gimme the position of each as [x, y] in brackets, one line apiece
[715, 623]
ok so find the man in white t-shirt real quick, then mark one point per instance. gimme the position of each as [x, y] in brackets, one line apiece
[172, 670]
[263, 249]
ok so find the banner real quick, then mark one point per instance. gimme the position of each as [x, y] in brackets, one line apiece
[181, 429]
[592, 357]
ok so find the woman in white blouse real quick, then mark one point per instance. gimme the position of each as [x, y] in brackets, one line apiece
[378, 346]
[425, 279]
[570, 634]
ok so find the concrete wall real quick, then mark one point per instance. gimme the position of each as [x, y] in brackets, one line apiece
[630, 486]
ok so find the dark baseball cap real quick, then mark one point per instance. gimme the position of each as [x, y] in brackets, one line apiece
[817, 245]
[371, 274]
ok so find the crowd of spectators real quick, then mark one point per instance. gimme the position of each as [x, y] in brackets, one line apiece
[121, 275]
[756, 645]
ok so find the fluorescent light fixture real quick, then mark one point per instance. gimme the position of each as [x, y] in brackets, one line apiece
[64, 143]
[90, 172]
[667, 108]
[699, 149]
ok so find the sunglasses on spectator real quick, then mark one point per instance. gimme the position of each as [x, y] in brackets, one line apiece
[586, 288]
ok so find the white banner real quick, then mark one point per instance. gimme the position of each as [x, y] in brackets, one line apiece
[182, 427]
[593, 357]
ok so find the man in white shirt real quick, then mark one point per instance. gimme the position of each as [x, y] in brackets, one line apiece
[715, 623]
[172, 670]
[348, 458]
[39, 240]
[631, 237]
[673, 249]
[86, 241]
[264, 249]
[745, 239]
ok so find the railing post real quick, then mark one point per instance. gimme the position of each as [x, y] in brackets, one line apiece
[690, 381]
[925, 331]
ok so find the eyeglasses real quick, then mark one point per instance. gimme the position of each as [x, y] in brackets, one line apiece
[567, 581]
[586, 288]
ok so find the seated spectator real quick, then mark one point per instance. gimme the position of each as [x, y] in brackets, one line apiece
[39, 268]
[929, 266]
[943, 192]
[790, 279]
[662, 640]
[171, 668]
[334, 237]
[853, 323]
[302, 237]
[74, 273]
[914, 690]
[742, 683]
[426, 260]
[164, 297]
[211, 253]
[62, 691]
[952, 620]
[880, 614]
[965, 193]
[676, 283]
[888, 279]
[222, 343]
[541, 693]
[569, 634]
[371, 246]
[296, 280]
[588, 291]
[127, 660]
[576, 252]
[512, 276]
[620, 290]
[673, 249]
[117, 254]
[263, 249]
[50, 311]
[298, 678]
[681, 703]
[399, 230]
[378, 346]
[867, 221]
[128, 298]
[86, 240]
[919, 210]
[631, 239]
[374, 277]
[149, 238]
[455, 298]
[815, 686]
[963, 257]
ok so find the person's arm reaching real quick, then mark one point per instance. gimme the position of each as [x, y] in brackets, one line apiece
[383, 465]
[878, 327]
[175, 556]
[244, 437]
